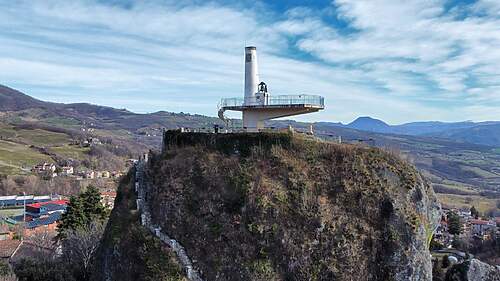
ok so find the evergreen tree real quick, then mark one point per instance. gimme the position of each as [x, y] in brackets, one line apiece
[435, 245]
[454, 226]
[474, 213]
[81, 211]
[92, 206]
[73, 218]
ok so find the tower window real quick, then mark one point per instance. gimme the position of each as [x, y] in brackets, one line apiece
[248, 58]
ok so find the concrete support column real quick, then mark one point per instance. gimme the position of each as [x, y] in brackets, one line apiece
[252, 121]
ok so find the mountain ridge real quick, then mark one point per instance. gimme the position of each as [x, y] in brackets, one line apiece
[445, 159]
[13, 100]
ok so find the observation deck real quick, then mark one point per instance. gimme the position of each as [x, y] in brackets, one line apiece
[276, 102]
[263, 107]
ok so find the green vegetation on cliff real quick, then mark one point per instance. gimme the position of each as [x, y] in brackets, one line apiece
[274, 206]
[128, 251]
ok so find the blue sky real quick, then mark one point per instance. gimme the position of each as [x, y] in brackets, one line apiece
[395, 60]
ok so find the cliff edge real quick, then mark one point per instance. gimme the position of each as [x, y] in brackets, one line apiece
[274, 206]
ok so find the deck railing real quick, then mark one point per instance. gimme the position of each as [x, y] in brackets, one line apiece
[312, 100]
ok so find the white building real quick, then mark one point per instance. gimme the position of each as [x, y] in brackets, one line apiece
[67, 170]
[258, 105]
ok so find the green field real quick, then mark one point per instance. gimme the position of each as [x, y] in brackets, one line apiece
[11, 212]
[37, 137]
[42, 138]
[482, 204]
[14, 157]
[479, 172]
[70, 151]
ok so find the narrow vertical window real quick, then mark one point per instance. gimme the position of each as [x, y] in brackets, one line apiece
[248, 58]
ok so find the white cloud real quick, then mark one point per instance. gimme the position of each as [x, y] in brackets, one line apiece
[410, 56]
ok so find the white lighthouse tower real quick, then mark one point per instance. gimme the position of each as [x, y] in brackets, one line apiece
[258, 105]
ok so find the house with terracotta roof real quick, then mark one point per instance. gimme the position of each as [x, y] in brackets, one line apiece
[481, 227]
[8, 249]
[108, 199]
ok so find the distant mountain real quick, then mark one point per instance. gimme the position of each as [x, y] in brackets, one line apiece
[13, 100]
[480, 134]
[423, 128]
[25, 108]
[370, 124]
[484, 133]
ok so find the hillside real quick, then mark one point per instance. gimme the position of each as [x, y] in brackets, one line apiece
[282, 207]
[482, 134]
[452, 165]
[18, 108]
[13, 100]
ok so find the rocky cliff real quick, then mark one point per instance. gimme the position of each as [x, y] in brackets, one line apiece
[128, 251]
[479, 271]
[283, 207]
[473, 270]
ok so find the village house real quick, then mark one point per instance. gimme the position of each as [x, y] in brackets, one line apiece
[116, 174]
[67, 170]
[441, 234]
[91, 142]
[108, 199]
[8, 249]
[43, 167]
[48, 169]
[131, 162]
[102, 174]
[481, 228]
[86, 175]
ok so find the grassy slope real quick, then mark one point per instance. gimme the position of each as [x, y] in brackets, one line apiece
[481, 203]
[459, 166]
[70, 151]
[16, 153]
[14, 156]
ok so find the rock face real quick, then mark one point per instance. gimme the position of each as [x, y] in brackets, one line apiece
[128, 251]
[282, 207]
[479, 271]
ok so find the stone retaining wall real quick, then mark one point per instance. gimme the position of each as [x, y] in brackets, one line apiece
[142, 206]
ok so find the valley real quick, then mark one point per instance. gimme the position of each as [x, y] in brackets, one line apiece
[462, 173]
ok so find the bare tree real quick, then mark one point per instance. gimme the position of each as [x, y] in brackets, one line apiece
[43, 241]
[80, 246]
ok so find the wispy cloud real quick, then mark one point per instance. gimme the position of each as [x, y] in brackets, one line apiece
[422, 59]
